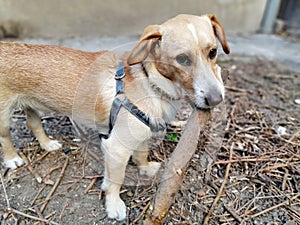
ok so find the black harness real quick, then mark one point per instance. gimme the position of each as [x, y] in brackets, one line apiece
[122, 101]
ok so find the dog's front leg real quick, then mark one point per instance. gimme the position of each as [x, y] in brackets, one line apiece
[116, 157]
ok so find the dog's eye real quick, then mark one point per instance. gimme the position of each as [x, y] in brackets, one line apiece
[184, 60]
[212, 53]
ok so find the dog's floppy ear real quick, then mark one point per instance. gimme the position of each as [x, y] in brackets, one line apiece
[139, 53]
[219, 32]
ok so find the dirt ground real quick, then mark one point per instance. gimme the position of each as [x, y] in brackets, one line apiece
[249, 158]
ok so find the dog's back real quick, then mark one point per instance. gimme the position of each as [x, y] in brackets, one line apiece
[30, 72]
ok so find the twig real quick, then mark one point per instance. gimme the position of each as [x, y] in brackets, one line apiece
[5, 193]
[285, 177]
[142, 213]
[90, 185]
[37, 195]
[40, 157]
[255, 160]
[30, 168]
[294, 213]
[55, 186]
[38, 212]
[63, 210]
[220, 190]
[276, 166]
[78, 129]
[87, 177]
[92, 154]
[50, 215]
[275, 206]
[288, 141]
[31, 217]
[58, 193]
[233, 213]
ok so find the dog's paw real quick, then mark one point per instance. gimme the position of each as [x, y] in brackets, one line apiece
[14, 162]
[116, 208]
[150, 170]
[52, 145]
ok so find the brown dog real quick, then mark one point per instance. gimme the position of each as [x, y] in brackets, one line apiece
[179, 55]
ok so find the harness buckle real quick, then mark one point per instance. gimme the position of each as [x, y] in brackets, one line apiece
[120, 74]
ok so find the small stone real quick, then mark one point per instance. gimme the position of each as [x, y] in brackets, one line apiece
[49, 182]
[67, 150]
[280, 130]
[76, 139]
[297, 101]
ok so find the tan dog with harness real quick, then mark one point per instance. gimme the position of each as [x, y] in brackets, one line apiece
[179, 55]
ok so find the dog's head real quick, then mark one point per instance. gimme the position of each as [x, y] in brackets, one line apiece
[182, 53]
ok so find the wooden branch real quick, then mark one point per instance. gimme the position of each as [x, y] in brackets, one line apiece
[175, 168]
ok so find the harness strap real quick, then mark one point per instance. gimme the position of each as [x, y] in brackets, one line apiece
[122, 101]
[116, 107]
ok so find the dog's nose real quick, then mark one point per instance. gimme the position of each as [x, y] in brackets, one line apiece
[213, 99]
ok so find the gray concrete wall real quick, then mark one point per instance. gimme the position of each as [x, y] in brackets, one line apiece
[67, 18]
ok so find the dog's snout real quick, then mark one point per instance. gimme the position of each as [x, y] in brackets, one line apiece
[213, 99]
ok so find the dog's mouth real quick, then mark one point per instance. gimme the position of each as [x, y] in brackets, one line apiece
[208, 102]
[202, 103]
[193, 103]
[203, 108]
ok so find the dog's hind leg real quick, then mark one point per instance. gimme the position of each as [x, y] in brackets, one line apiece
[11, 159]
[140, 158]
[35, 125]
